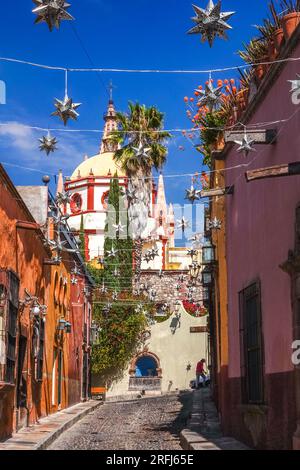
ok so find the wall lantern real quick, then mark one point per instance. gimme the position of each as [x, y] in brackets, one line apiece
[68, 327]
[208, 253]
[61, 324]
[194, 270]
[207, 277]
[35, 310]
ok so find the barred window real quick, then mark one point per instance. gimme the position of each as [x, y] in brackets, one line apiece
[252, 354]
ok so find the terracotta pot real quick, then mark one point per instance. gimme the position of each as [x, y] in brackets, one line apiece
[260, 71]
[290, 23]
[278, 39]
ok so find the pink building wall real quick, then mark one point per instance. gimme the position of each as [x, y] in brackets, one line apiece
[260, 232]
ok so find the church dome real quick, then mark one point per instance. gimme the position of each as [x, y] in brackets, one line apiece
[102, 164]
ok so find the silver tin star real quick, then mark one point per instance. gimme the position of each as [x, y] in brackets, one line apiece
[192, 253]
[48, 144]
[183, 224]
[51, 12]
[210, 97]
[215, 224]
[74, 281]
[211, 23]
[63, 198]
[161, 274]
[119, 228]
[192, 194]
[141, 151]
[245, 145]
[295, 84]
[66, 109]
[115, 295]
[112, 253]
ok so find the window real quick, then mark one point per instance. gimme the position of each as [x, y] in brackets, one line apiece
[76, 203]
[252, 356]
[39, 356]
[9, 303]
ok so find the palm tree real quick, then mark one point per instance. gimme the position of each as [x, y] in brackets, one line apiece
[142, 142]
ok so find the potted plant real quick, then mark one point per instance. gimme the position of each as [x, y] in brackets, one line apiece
[278, 35]
[267, 31]
[291, 19]
[256, 52]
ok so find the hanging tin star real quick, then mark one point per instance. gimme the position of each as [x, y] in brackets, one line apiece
[61, 219]
[183, 224]
[215, 224]
[139, 308]
[48, 143]
[115, 295]
[192, 194]
[66, 109]
[178, 287]
[141, 151]
[119, 228]
[112, 253]
[152, 295]
[192, 253]
[161, 274]
[57, 259]
[75, 271]
[103, 289]
[245, 145]
[154, 253]
[210, 96]
[116, 273]
[107, 308]
[147, 257]
[211, 23]
[181, 278]
[74, 281]
[131, 195]
[51, 12]
[63, 198]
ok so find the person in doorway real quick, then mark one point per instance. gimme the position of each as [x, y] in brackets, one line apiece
[200, 373]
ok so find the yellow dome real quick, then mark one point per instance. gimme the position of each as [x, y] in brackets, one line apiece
[100, 165]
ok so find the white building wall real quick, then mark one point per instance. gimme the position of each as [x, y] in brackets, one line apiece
[179, 354]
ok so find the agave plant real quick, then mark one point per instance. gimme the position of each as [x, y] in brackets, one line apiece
[274, 15]
[290, 6]
[255, 52]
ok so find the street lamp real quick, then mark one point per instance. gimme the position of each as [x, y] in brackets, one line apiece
[208, 253]
[194, 270]
[207, 277]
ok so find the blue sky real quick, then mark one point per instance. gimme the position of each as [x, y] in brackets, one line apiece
[119, 34]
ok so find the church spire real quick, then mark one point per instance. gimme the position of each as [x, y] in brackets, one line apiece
[111, 125]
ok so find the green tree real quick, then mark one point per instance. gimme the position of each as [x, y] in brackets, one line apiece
[117, 269]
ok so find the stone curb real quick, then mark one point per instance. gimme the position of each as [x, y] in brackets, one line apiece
[48, 440]
[203, 430]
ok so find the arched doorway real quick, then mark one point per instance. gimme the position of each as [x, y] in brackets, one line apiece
[145, 373]
[146, 366]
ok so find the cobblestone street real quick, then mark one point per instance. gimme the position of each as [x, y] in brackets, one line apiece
[146, 424]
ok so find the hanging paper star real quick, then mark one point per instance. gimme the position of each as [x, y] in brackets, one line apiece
[245, 145]
[211, 97]
[66, 109]
[183, 224]
[192, 194]
[215, 224]
[51, 12]
[48, 143]
[211, 23]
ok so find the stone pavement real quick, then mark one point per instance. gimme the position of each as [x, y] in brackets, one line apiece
[203, 431]
[41, 435]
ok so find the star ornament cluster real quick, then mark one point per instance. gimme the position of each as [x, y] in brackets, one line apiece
[66, 109]
[51, 12]
[211, 22]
